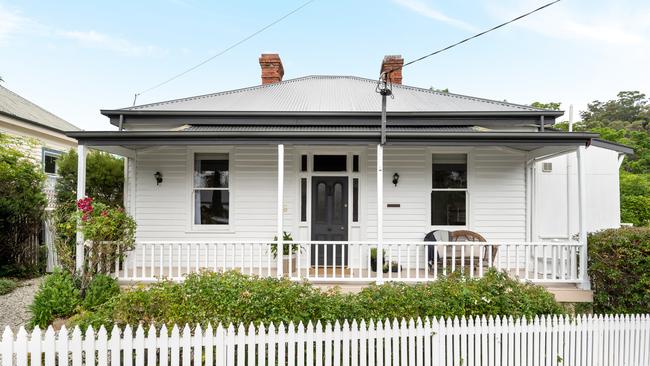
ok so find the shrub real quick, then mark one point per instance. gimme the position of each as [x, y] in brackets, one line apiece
[104, 182]
[100, 289]
[22, 206]
[57, 296]
[6, 286]
[619, 267]
[232, 297]
[109, 233]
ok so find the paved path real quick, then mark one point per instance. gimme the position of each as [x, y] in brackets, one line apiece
[14, 310]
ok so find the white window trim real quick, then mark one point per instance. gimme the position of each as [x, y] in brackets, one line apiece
[429, 183]
[191, 226]
[50, 152]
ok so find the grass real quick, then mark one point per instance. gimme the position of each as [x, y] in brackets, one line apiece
[7, 285]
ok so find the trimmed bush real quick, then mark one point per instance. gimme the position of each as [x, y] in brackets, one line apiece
[619, 267]
[233, 297]
[100, 289]
[58, 296]
[6, 286]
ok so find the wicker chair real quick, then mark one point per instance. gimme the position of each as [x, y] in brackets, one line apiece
[467, 253]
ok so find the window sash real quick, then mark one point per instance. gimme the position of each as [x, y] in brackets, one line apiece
[197, 159]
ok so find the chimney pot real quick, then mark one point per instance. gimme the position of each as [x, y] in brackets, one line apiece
[272, 70]
[395, 63]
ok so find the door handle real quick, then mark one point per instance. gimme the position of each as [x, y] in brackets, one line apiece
[342, 228]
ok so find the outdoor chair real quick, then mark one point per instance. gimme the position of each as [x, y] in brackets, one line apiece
[459, 254]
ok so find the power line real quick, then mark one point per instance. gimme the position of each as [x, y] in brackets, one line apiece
[224, 50]
[472, 37]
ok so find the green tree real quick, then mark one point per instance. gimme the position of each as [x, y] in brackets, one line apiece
[22, 205]
[630, 110]
[104, 182]
[554, 106]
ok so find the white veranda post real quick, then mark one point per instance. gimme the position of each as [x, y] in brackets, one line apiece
[582, 218]
[380, 213]
[280, 249]
[81, 193]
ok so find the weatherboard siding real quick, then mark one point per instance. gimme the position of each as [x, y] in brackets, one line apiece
[496, 195]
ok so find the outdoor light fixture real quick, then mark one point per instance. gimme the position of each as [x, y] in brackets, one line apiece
[158, 176]
[395, 179]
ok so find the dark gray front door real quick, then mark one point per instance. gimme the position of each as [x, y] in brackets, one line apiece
[329, 221]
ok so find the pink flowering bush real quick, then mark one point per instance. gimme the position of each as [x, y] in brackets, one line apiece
[108, 233]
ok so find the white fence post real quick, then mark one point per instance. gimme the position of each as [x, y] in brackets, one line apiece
[546, 340]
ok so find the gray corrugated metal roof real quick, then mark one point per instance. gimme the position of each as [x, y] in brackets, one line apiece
[322, 93]
[218, 128]
[14, 105]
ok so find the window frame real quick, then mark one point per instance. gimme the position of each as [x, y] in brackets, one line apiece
[191, 189]
[467, 189]
[50, 152]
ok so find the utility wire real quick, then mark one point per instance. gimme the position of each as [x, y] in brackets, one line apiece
[224, 50]
[472, 37]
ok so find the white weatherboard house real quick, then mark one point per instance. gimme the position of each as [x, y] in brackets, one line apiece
[212, 179]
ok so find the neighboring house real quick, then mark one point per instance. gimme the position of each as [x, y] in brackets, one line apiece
[212, 179]
[45, 137]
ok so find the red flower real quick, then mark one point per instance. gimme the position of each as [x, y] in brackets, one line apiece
[84, 217]
[104, 213]
[85, 205]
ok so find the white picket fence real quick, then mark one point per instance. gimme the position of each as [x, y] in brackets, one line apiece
[547, 340]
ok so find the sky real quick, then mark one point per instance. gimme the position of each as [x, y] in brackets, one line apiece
[75, 58]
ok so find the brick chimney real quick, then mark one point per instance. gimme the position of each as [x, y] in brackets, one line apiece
[392, 62]
[272, 70]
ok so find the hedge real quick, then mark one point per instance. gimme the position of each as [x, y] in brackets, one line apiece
[619, 268]
[232, 297]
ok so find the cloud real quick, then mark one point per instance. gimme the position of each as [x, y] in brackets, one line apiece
[427, 11]
[559, 21]
[99, 40]
[11, 22]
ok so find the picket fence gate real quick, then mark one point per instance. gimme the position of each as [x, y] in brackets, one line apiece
[547, 340]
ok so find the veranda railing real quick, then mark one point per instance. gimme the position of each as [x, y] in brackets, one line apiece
[351, 261]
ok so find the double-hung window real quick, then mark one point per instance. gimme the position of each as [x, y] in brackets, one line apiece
[449, 190]
[211, 189]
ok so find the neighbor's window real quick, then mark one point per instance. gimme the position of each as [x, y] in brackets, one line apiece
[449, 190]
[211, 189]
[50, 158]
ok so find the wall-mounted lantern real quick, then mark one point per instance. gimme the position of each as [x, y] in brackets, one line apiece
[395, 179]
[159, 178]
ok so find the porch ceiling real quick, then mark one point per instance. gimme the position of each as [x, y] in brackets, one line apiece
[342, 135]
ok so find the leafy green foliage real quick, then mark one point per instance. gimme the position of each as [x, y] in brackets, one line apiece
[630, 110]
[7, 285]
[619, 268]
[57, 296]
[232, 297]
[100, 289]
[104, 182]
[555, 106]
[22, 205]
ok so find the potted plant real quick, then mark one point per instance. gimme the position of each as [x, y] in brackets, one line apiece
[288, 252]
[393, 267]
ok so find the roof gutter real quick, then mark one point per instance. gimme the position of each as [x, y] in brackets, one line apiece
[178, 137]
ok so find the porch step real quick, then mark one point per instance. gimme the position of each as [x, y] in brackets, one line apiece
[570, 293]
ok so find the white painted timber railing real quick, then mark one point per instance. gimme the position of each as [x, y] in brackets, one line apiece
[547, 340]
[550, 262]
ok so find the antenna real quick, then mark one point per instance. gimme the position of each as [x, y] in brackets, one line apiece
[571, 118]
